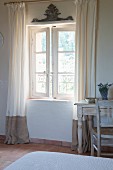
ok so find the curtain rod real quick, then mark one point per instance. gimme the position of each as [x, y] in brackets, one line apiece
[28, 1]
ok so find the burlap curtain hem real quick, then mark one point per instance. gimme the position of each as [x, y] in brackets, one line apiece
[16, 130]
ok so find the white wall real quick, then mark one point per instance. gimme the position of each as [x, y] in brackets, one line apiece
[105, 44]
[37, 10]
[50, 119]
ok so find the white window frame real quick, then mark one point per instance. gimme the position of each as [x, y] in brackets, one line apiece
[55, 31]
[32, 32]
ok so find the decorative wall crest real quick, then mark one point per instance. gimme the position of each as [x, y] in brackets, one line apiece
[52, 15]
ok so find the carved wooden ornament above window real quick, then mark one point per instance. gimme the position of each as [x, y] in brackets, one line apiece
[52, 15]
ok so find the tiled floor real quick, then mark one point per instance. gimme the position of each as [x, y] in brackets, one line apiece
[10, 153]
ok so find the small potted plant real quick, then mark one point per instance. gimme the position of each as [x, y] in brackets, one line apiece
[103, 89]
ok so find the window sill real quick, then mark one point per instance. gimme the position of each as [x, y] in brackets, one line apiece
[50, 100]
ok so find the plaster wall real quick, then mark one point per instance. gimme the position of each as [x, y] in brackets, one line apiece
[104, 63]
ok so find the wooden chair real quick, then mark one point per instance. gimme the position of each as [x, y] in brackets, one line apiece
[102, 132]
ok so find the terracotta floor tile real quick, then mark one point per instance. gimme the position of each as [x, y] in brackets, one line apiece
[10, 153]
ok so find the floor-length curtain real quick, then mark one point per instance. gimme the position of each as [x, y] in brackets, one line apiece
[16, 124]
[86, 17]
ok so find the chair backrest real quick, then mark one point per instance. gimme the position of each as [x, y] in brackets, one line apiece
[104, 115]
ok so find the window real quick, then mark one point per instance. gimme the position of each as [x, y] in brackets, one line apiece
[52, 61]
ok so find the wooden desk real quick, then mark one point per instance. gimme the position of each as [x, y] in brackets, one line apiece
[83, 108]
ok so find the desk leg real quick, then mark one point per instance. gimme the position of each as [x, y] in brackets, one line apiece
[90, 122]
[80, 150]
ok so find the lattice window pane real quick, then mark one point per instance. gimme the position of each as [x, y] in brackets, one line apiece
[50, 85]
[41, 42]
[40, 62]
[65, 84]
[66, 62]
[66, 41]
[40, 83]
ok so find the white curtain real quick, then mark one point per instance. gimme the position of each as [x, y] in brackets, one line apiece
[16, 124]
[86, 19]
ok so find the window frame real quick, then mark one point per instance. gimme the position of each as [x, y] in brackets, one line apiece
[32, 30]
[55, 59]
[32, 42]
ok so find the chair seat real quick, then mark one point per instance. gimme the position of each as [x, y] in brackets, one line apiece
[105, 132]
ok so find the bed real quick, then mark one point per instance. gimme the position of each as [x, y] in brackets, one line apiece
[60, 161]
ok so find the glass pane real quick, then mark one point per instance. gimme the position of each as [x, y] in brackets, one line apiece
[40, 83]
[40, 62]
[40, 41]
[66, 84]
[50, 85]
[66, 62]
[66, 41]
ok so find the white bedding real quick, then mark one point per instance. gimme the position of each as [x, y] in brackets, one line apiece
[60, 161]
